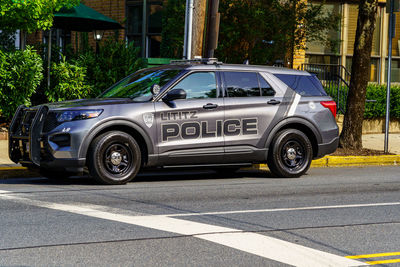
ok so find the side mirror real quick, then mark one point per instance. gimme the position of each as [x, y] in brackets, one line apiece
[174, 94]
[155, 89]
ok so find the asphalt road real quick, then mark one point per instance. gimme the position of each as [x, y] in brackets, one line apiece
[202, 219]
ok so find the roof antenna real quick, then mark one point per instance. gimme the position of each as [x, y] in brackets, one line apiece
[246, 62]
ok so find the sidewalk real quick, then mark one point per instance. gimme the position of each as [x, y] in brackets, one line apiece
[370, 141]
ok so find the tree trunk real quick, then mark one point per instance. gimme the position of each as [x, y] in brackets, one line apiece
[199, 16]
[352, 125]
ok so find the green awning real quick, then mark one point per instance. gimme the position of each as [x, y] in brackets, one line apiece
[84, 19]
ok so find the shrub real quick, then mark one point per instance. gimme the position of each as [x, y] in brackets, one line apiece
[20, 74]
[378, 108]
[68, 82]
[114, 61]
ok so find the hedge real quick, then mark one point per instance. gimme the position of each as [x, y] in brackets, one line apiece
[378, 108]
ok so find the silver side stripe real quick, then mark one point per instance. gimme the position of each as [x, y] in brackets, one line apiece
[294, 105]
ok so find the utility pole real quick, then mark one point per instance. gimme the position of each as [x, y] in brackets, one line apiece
[213, 18]
[199, 18]
[391, 6]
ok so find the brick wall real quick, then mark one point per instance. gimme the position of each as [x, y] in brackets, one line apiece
[114, 9]
[34, 38]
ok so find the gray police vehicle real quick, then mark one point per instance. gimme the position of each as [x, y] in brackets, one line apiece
[187, 113]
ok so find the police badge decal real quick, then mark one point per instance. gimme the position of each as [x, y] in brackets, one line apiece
[148, 119]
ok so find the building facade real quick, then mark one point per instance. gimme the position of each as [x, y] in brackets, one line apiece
[142, 21]
[343, 52]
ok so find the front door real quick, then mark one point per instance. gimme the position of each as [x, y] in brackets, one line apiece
[190, 130]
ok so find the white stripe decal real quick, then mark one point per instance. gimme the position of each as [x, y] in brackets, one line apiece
[257, 244]
[294, 105]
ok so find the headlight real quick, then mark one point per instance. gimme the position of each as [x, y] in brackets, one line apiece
[73, 115]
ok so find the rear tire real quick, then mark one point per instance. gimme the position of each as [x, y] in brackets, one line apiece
[114, 158]
[290, 154]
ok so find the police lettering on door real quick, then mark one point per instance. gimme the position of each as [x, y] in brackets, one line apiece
[192, 129]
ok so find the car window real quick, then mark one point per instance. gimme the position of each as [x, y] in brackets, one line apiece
[304, 85]
[266, 89]
[242, 84]
[199, 85]
[137, 85]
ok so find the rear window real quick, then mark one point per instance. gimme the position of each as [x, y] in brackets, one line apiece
[303, 84]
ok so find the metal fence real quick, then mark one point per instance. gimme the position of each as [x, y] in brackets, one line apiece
[335, 79]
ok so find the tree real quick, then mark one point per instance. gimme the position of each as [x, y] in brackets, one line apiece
[352, 125]
[30, 15]
[173, 24]
[267, 30]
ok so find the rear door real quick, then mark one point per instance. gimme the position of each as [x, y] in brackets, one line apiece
[251, 104]
[189, 130]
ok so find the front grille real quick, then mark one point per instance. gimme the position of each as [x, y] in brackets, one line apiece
[51, 122]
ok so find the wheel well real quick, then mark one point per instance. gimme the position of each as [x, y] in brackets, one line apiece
[310, 134]
[135, 134]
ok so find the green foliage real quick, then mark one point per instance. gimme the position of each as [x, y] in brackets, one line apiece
[30, 15]
[20, 74]
[377, 93]
[378, 109]
[114, 61]
[269, 30]
[68, 82]
[173, 22]
[262, 31]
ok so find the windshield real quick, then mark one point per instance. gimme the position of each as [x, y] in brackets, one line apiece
[137, 86]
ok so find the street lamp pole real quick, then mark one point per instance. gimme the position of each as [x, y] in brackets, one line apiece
[389, 74]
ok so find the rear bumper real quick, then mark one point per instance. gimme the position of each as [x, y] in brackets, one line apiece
[327, 148]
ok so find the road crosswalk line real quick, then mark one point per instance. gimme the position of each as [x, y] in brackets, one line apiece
[257, 244]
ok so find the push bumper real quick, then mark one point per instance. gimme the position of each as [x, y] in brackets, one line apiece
[28, 145]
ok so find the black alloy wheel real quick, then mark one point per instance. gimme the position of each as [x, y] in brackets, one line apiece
[290, 154]
[114, 158]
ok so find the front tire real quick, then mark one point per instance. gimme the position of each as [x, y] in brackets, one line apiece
[114, 158]
[290, 154]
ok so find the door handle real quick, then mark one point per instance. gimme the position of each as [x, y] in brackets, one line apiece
[210, 106]
[273, 102]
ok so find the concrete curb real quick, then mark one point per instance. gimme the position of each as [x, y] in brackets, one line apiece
[347, 161]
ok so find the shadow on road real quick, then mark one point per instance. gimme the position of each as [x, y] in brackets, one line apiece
[150, 176]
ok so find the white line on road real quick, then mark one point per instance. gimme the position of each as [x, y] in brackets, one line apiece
[286, 209]
[257, 244]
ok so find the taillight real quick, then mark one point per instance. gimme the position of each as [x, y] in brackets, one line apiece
[331, 105]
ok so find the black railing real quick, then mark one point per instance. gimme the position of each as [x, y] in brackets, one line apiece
[335, 79]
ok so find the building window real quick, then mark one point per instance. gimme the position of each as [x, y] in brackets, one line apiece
[59, 37]
[153, 22]
[333, 36]
[322, 59]
[374, 75]
[352, 27]
[395, 73]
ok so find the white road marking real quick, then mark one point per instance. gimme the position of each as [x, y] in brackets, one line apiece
[294, 105]
[257, 244]
[286, 209]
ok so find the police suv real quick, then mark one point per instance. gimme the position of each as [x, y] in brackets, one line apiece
[187, 113]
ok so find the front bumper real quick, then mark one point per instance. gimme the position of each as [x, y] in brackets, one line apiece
[30, 142]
